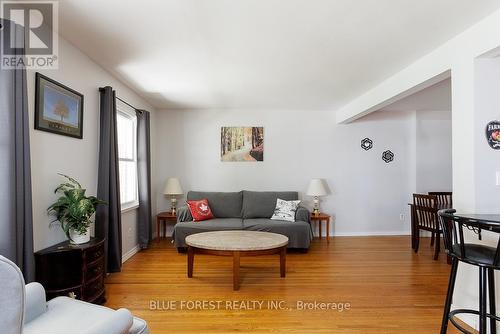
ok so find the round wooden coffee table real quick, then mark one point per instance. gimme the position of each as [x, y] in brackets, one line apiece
[237, 244]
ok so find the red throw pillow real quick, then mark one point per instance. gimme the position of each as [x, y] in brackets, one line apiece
[200, 210]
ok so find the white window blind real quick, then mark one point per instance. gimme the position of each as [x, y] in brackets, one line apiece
[126, 124]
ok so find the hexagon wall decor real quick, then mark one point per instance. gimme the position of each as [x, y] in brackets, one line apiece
[366, 144]
[388, 156]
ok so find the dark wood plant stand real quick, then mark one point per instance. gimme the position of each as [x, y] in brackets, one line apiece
[71, 270]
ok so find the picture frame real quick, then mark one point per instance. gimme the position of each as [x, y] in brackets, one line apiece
[242, 144]
[58, 108]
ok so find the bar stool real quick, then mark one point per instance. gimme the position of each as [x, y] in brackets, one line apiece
[487, 259]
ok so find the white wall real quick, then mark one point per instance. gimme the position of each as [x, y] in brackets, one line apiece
[433, 151]
[487, 108]
[52, 154]
[433, 136]
[368, 194]
[486, 164]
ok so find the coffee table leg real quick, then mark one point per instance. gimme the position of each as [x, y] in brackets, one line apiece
[236, 270]
[190, 261]
[283, 262]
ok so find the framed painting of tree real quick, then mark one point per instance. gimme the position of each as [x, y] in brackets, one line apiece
[58, 109]
[240, 143]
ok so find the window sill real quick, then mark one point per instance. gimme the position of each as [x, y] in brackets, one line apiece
[129, 207]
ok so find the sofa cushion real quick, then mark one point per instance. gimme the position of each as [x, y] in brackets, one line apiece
[285, 210]
[261, 204]
[200, 210]
[184, 229]
[222, 204]
[299, 233]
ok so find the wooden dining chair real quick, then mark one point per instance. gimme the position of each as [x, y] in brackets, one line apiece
[426, 218]
[444, 199]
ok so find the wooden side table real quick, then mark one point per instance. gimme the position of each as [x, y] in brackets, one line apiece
[322, 218]
[164, 217]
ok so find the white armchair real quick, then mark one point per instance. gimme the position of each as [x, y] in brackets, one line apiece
[24, 310]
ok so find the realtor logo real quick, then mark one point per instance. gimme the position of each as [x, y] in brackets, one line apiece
[29, 34]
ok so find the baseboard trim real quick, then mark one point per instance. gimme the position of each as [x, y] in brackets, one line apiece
[368, 234]
[130, 253]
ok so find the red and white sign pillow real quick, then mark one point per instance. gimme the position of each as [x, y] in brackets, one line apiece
[200, 210]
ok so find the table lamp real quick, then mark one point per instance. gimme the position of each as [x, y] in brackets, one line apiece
[317, 188]
[173, 189]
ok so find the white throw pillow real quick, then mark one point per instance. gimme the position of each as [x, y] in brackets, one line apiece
[285, 210]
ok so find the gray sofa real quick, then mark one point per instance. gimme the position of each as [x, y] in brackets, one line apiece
[244, 210]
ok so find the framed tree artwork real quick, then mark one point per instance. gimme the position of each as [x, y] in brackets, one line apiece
[58, 109]
[240, 143]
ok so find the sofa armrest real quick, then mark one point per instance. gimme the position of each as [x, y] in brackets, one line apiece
[183, 214]
[35, 304]
[119, 322]
[302, 214]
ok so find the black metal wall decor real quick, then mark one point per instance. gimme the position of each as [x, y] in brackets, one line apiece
[366, 144]
[493, 134]
[388, 156]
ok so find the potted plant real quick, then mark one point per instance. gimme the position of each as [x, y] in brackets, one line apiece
[73, 210]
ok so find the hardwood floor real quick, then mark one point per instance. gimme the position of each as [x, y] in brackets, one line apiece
[390, 289]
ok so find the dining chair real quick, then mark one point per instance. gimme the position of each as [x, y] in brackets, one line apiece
[444, 199]
[426, 218]
[485, 258]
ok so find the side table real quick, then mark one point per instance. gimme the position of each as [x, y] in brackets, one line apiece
[164, 217]
[320, 219]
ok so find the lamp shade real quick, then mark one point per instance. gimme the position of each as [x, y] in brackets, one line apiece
[173, 187]
[318, 187]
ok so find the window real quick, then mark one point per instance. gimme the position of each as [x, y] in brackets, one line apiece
[126, 124]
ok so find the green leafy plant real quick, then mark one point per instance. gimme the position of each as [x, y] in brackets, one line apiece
[73, 209]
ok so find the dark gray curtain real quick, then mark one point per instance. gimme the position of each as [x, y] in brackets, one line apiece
[144, 221]
[108, 223]
[16, 225]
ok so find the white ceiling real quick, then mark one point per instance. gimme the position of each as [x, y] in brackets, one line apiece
[284, 54]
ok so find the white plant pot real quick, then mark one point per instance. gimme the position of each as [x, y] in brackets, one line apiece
[77, 239]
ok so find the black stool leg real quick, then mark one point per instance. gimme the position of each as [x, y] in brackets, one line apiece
[482, 300]
[449, 295]
[491, 290]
